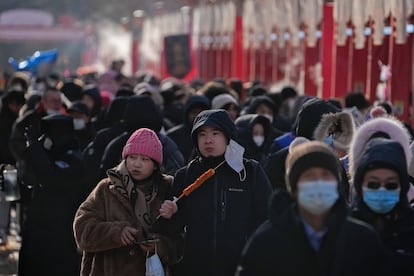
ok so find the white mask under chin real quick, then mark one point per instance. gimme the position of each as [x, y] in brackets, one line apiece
[258, 140]
[79, 124]
[234, 157]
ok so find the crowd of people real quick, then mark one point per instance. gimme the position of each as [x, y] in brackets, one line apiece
[215, 177]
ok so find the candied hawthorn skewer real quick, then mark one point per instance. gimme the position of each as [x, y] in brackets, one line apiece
[197, 183]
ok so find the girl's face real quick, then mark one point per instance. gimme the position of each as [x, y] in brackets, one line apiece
[258, 130]
[140, 166]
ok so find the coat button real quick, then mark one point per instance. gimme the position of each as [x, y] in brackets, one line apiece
[132, 252]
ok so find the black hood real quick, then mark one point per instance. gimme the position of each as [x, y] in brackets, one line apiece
[192, 102]
[115, 111]
[95, 94]
[310, 115]
[258, 100]
[383, 153]
[217, 118]
[245, 123]
[141, 111]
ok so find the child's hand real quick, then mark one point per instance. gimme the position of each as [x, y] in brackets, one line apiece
[128, 235]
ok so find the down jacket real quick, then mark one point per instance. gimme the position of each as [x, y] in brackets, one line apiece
[219, 216]
[280, 245]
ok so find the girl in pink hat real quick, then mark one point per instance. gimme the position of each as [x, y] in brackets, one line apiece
[116, 227]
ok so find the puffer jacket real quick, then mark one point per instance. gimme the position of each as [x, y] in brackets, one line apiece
[102, 216]
[219, 216]
[396, 228]
[280, 245]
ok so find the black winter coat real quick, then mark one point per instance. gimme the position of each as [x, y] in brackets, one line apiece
[7, 119]
[280, 247]
[219, 216]
[396, 228]
[48, 245]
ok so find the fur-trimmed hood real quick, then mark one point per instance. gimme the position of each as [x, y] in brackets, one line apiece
[340, 125]
[387, 125]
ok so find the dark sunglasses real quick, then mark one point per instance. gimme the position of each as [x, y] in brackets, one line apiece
[376, 185]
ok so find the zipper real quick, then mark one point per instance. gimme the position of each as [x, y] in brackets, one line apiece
[223, 204]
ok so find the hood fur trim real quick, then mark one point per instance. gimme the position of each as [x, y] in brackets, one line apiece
[340, 125]
[390, 125]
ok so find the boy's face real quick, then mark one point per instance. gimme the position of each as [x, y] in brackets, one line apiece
[211, 142]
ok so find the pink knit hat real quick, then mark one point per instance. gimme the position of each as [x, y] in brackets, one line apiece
[144, 141]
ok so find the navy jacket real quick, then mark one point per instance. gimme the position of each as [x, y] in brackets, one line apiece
[281, 247]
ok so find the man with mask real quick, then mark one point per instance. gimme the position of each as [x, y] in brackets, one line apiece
[309, 231]
[84, 130]
[381, 184]
[221, 214]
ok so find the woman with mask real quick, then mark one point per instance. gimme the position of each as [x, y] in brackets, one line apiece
[381, 184]
[255, 135]
[309, 231]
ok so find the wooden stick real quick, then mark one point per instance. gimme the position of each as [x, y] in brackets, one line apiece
[197, 183]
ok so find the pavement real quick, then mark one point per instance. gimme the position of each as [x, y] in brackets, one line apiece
[9, 252]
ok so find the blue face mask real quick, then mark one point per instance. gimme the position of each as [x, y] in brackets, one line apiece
[317, 196]
[328, 140]
[381, 200]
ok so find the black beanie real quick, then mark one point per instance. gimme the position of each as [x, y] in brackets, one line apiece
[217, 118]
[307, 155]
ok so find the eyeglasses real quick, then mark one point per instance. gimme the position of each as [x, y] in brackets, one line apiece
[376, 185]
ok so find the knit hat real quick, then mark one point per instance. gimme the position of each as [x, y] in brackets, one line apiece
[217, 118]
[144, 141]
[221, 100]
[308, 155]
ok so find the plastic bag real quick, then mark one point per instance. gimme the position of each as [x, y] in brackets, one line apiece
[153, 265]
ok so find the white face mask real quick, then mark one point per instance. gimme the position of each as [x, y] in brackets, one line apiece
[258, 140]
[79, 124]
